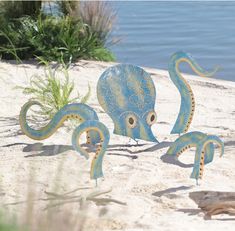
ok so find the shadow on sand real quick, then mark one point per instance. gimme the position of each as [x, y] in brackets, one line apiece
[171, 190]
[116, 150]
[12, 128]
[173, 160]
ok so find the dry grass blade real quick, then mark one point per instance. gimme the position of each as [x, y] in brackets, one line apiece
[50, 206]
[81, 199]
[77, 189]
[98, 193]
[100, 16]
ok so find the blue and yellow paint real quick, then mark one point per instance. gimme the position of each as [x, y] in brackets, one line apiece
[127, 94]
[96, 131]
[92, 125]
[187, 106]
[198, 167]
[204, 149]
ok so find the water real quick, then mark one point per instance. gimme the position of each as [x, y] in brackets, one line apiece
[152, 31]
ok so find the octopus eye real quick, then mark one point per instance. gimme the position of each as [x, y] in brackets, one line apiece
[151, 118]
[131, 121]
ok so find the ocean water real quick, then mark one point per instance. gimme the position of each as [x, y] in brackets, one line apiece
[151, 32]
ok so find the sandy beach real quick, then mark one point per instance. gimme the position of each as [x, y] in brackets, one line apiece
[146, 190]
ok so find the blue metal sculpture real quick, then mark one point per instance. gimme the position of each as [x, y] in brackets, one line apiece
[204, 149]
[96, 131]
[187, 106]
[200, 154]
[92, 125]
[127, 94]
[190, 140]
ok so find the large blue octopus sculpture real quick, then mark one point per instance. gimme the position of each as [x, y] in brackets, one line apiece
[127, 94]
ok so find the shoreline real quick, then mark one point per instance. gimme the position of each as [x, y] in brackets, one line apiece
[105, 64]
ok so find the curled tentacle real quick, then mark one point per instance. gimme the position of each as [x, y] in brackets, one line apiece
[190, 140]
[79, 111]
[187, 106]
[96, 165]
[200, 152]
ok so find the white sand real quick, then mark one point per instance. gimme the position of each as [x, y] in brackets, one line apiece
[156, 191]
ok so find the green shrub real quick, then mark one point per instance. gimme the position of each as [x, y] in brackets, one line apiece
[53, 91]
[17, 9]
[53, 39]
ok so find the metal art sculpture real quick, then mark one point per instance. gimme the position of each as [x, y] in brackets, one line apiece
[96, 165]
[187, 106]
[204, 149]
[198, 167]
[127, 94]
[96, 131]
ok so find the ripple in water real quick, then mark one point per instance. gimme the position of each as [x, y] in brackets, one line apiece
[152, 31]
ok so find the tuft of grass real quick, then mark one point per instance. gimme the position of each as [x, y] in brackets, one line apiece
[52, 91]
[99, 15]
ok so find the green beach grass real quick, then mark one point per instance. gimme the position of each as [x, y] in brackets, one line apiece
[65, 39]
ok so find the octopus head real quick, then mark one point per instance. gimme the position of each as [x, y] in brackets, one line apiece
[127, 94]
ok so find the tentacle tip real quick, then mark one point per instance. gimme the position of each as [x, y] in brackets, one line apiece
[221, 151]
[196, 179]
[96, 176]
[192, 176]
[212, 73]
[168, 153]
[175, 132]
[157, 141]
